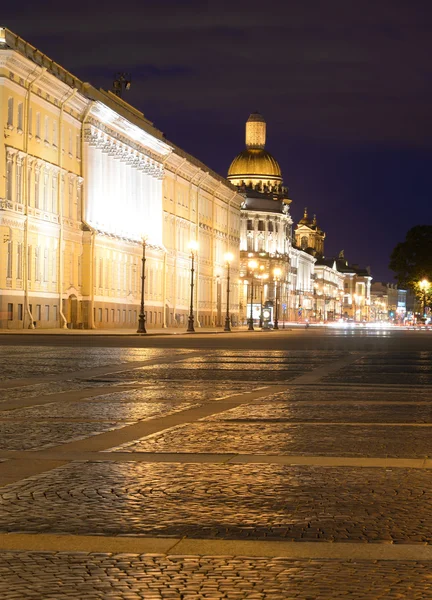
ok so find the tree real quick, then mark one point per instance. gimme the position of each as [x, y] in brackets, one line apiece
[411, 261]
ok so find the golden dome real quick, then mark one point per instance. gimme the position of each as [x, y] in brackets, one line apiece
[305, 220]
[255, 163]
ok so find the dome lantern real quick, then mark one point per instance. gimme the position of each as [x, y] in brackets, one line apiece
[255, 131]
[255, 166]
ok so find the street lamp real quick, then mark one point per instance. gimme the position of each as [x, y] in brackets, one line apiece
[141, 318]
[252, 264]
[262, 278]
[193, 247]
[424, 285]
[277, 273]
[228, 259]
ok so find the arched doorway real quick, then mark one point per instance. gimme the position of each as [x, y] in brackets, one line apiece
[73, 312]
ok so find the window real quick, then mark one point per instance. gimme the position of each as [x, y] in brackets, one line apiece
[29, 263]
[54, 265]
[30, 122]
[101, 272]
[112, 315]
[106, 315]
[38, 125]
[55, 134]
[19, 260]
[10, 113]
[9, 175]
[9, 259]
[18, 186]
[46, 136]
[53, 202]
[70, 143]
[20, 312]
[260, 225]
[304, 242]
[10, 312]
[250, 225]
[124, 316]
[70, 199]
[78, 147]
[45, 265]
[36, 264]
[270, 226]
[78, 197]
[20, 117]
[38, 312]
[37, 188]
[45, 189]
[47, 311]
[100, 315]
[55, 312]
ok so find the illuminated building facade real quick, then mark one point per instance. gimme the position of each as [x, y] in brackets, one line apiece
[357, 290]
[88, 181]
[272, 271]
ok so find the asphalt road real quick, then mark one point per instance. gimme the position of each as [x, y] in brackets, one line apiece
[280, 465]
[304, 339]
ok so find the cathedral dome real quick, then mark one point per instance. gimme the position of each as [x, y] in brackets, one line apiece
[255, 165]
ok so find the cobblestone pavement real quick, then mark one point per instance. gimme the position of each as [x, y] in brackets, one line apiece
[348, 412]
[43, 361]
[326, 404]
[398, 369]
[284, 438]
[44, 434]
[98, 411]
[296, 503]
[151, 577]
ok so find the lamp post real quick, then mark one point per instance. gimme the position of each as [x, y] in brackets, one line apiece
[277, 273]
[252, 265]
[228, 259]
[141, 318]
[424, 285]
[193, 247]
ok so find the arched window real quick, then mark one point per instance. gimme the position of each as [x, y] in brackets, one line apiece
[304, 242]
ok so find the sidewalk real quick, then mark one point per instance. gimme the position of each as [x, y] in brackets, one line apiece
[133, 332]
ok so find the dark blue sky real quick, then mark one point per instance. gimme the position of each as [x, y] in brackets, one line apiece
[345, 87]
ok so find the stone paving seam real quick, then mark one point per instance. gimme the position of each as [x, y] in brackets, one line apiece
[142, 429]
[315, 375]
[223, 458]
[72, 396]
[97, 371]
[208, 547]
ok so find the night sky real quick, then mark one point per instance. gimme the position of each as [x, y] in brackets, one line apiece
[345, 87]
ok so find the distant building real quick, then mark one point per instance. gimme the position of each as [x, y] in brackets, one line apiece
[328, 290]
[357, 290]
[280, 274]
[388, 303]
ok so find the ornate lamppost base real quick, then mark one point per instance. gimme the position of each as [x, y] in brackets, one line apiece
[227, 324]
[190, 327]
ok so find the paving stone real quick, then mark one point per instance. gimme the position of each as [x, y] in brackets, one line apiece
[49, 576]
[289, 439]
[224, 502]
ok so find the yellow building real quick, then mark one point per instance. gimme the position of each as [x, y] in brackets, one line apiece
[87, 184]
